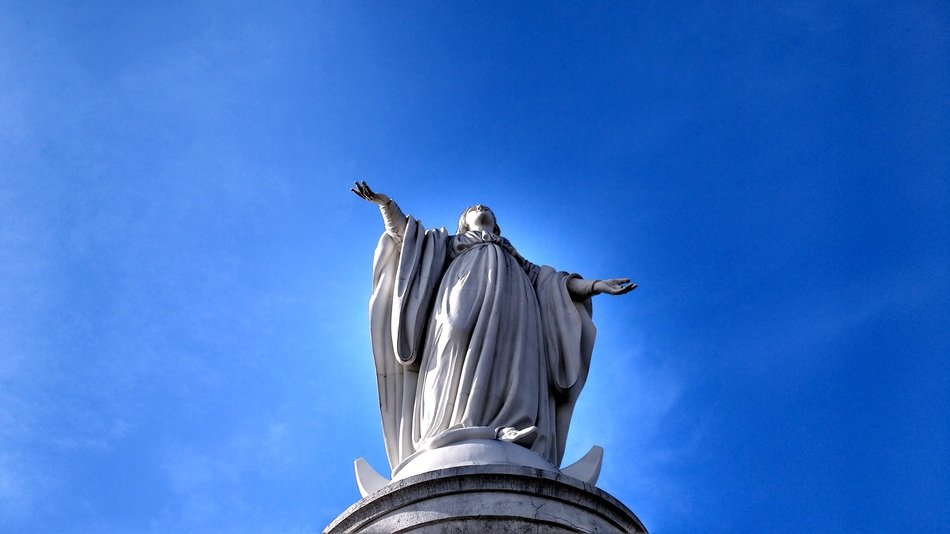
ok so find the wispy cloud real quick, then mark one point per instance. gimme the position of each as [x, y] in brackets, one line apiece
[214, 481]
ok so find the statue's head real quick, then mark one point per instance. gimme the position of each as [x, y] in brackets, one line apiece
[478, 215]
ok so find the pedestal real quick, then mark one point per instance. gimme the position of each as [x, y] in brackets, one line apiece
[487, 499]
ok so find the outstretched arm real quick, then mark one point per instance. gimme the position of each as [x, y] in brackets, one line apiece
[582, 289]
[393, 217]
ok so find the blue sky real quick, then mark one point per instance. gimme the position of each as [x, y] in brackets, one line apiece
[184, 274]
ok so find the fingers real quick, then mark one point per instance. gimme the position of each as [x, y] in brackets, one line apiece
[627, 289]
[363, 191]
[620, 289]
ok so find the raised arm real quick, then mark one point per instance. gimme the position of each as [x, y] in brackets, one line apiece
[582, 289]
[393, 218]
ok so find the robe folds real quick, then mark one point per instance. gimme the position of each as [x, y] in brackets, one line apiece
[467, 333]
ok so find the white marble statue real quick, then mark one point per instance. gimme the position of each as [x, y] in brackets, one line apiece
[470, 338]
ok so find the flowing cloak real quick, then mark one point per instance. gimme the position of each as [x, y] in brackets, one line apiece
[467, 333]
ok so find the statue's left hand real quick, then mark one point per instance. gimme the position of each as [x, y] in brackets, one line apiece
[614, 286]
[363, 191]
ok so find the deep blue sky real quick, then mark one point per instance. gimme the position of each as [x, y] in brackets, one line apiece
[183, 273]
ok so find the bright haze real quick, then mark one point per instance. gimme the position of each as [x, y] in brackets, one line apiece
[184, 273]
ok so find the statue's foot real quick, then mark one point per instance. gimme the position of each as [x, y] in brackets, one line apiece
[524, 437]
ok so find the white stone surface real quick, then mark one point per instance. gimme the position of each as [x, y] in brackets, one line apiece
[487, 499]
[469, 336]
[368, 480]
[587, 469]
[475, 452]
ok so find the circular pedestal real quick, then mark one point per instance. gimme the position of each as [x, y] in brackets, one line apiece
[487, 499]
[471, 452]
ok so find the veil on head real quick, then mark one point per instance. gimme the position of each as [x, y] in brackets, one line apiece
[463, 226]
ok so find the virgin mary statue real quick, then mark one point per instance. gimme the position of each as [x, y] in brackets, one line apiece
[467, 334]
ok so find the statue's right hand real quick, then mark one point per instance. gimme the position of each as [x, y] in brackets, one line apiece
[363, 191]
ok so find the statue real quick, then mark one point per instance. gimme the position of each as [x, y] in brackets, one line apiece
[471, 340]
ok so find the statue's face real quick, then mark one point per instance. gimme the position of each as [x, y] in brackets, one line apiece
[480, 216]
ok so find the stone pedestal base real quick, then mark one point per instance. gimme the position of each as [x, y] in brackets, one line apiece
[487, 499]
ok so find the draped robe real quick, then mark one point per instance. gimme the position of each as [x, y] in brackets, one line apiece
[466, 333]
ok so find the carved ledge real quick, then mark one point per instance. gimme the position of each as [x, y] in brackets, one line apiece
[486, 499]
